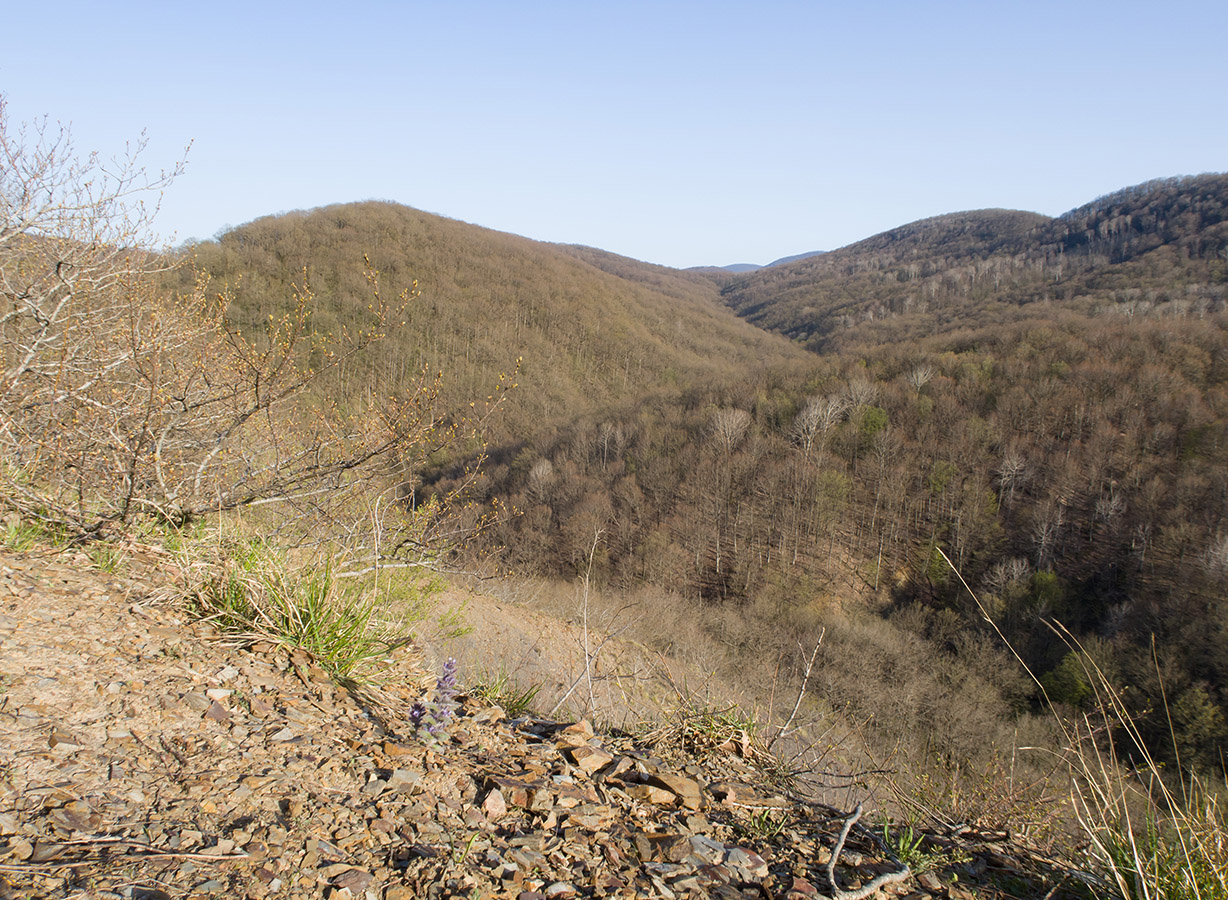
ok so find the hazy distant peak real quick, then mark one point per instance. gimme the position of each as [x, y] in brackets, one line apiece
[741, 268]
[794, 258]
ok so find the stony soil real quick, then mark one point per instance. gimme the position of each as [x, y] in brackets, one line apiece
[144, 756]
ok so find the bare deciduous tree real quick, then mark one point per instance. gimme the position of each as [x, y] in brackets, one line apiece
[816, 419]
[920, 375]
[1011, 473]
[727, 428]
[119, 399]
[861, 392]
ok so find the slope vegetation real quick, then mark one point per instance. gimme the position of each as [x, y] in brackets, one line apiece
[1053, 419]
[1042, 400]
[591, 327]
[1157, 245]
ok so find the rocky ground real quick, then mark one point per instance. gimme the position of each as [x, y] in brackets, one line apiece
[144, 756]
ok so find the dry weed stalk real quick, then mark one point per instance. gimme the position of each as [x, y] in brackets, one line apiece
[1177, 847]
[591, 654]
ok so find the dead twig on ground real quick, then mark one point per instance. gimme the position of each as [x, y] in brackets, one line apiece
[866, 890]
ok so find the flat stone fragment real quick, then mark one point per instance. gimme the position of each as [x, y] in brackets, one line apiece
[707, 850]
[930, 882]
[577, 734]
[495, 806]
[747, 860]
[663, 847]
[801, 889]
[354, 880]
[217, 712]
[196, 701]
[590, 759]
[687, 790]
[63, 742]
[403, 779]
[657, 796]
[527, 793]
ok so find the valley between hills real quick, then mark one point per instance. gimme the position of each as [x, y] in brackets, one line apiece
[934, 521]
[1040, 399]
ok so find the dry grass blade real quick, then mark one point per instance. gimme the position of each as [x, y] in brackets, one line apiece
[1149, 838]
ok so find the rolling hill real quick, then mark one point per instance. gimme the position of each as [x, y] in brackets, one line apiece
[590, 327]
[1043, 399]
[1159, 245]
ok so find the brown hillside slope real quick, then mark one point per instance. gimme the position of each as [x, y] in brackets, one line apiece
[591, 327]
[142, 757]
[1155, 247]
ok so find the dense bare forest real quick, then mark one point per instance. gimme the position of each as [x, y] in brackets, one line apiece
[589, 328]
[1044, 401]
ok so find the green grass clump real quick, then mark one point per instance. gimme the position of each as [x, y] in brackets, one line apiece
[106, 557]
[765, 824]
[348, 625]
[21, 535]
[501, 690]
[1147, 839]
[911, 848]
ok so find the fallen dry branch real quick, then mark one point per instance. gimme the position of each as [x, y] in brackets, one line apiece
[96, 847]
[900, 874]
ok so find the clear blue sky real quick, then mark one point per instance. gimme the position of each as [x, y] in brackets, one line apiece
[679, 133]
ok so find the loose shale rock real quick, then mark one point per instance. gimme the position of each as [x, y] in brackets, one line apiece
[140, 757]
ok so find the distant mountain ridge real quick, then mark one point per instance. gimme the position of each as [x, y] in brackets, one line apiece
[947, 271]
[794, 258]
[741, 268]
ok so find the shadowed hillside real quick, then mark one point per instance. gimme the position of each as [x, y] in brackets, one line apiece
[1053, 420]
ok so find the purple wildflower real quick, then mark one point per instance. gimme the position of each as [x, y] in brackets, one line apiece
[417, 713]
[430, 717]
[445, 686]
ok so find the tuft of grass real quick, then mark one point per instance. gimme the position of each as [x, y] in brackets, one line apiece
[1149, 838]
[911, 848]
[348, 626]
[21, 535]
[106, 558]
[765, 824]
[501, 690]
[699, 730]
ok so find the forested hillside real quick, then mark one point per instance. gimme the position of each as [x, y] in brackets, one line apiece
[1043, 400]
[1046, 401]
[1157, 247]
[590, 327]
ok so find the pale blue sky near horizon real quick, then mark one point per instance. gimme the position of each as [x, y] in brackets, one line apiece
[677, 133]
